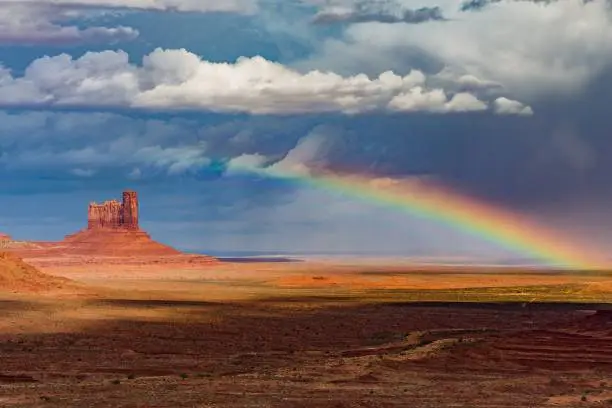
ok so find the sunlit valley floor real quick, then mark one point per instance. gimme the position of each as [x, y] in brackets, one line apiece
[307, 334]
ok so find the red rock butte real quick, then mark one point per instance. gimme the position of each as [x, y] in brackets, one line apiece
[113, 229]
[114, 214]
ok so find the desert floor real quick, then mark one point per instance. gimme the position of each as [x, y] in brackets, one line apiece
[307, 335]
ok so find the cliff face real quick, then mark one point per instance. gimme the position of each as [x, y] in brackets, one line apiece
[129, 210]
[115, 215]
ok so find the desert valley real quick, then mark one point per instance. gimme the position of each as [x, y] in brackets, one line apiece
[110, 317]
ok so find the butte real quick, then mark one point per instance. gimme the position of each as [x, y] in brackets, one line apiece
[113, 230]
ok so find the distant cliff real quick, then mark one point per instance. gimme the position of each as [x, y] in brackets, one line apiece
[114, 214]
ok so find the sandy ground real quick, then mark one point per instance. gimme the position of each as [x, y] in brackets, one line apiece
[306, 335]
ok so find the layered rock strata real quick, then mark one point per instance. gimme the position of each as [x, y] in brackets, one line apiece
[114, 214]
[113, 230]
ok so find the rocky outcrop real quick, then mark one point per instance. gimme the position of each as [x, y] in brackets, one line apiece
[5, 237]
[18, 276]
[114, 214]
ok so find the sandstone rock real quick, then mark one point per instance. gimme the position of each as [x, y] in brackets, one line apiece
[113, 214]
[129, 210]
[115, 242]
[113, 230]
[18, 276]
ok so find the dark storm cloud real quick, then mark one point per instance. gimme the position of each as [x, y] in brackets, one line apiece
[475, 5]
[362, 14]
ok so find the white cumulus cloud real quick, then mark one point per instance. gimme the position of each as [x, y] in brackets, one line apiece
[505, 106]
[246, 161]
[436, 101]
[178, 79]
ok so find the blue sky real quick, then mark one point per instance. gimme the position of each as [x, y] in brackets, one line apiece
[496, 101]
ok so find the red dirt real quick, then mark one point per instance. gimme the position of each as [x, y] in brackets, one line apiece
[270, 355]
[18, 276]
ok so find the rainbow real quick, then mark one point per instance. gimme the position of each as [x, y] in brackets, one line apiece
[425, 199]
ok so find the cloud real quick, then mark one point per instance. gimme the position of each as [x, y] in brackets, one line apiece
[178, 79]
[83, 172]
[245, 162]
[513, 43]
[306, 155]
[505, 106]
[447, 78]
[91, 144]
[54, 22]
[477, 5]
[135, 173]
[43, 23]
[436, 101]
[162, 5]
[365, 12]
[177, 160]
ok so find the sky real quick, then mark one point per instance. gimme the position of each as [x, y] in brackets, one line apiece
[505, 101]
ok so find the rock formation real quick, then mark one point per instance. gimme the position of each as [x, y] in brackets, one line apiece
[112, 235]
[113, 230]
[5, 237]
[113, 214]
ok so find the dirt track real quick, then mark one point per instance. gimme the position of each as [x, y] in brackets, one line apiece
[163, 351]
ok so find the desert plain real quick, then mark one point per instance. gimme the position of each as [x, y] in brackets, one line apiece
[162, 332]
